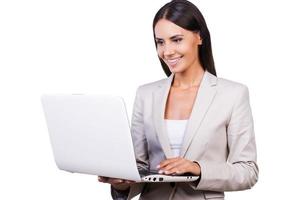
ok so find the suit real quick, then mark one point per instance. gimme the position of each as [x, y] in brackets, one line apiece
[219, 137]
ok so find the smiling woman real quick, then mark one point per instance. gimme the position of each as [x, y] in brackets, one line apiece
[184, 18]
[177, 47]
[191, 122]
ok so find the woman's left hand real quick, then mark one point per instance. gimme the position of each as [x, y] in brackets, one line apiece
[178, 166]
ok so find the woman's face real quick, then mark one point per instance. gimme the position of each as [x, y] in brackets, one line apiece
[176, 46]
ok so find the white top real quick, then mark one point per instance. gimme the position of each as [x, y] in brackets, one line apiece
[176, 129]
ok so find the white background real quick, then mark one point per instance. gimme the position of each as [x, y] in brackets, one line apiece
[62, 46]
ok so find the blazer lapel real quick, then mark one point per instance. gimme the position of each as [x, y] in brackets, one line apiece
[159, 103]
[204, 98]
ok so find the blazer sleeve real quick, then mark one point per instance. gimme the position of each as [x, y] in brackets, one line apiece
[137, 133]
[240, 172]
[139, 141]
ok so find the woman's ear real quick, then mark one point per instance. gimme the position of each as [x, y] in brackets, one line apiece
[199, 39]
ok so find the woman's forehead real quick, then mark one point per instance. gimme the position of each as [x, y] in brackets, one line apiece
[167, 29]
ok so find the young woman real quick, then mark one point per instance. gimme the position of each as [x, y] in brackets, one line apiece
[192, 121]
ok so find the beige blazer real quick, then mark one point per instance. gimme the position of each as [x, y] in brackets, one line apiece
[219, 136]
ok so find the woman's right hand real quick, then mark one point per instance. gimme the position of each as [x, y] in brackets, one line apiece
[118, 184]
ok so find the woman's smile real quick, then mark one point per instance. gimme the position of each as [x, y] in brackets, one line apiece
[172, 62]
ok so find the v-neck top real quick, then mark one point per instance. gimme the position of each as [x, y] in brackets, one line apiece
[176, 130]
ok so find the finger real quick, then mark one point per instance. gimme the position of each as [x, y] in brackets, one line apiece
[162, 164]
[169, 168]
[116, 181]
[180, 168]
[129, 182]
[169, 160]
[176, 171]
[103, 179]
[173, 164]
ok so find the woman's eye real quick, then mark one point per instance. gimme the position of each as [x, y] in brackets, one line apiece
[159, 42]
[177, 40]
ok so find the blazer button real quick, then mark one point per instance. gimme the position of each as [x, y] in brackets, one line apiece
[172, 184]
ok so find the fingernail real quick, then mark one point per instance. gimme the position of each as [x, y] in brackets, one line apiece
[160, 171]
[158, 166]
[166, 172]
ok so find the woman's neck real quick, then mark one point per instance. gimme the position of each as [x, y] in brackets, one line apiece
[189, 78]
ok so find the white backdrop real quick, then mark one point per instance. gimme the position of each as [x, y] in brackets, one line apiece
[64, 46]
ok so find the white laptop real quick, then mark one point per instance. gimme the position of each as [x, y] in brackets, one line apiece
[90, 134]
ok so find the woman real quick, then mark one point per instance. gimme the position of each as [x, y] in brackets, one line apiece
[192, 121]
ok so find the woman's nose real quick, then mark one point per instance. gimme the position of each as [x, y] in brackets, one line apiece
[168, 50]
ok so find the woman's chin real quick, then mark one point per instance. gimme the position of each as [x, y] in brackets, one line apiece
[176, 69]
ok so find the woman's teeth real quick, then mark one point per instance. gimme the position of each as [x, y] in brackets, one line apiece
[173, 61]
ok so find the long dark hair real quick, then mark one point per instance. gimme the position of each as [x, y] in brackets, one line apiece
[186, 15]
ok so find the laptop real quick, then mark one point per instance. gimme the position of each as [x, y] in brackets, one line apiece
[90, 134]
